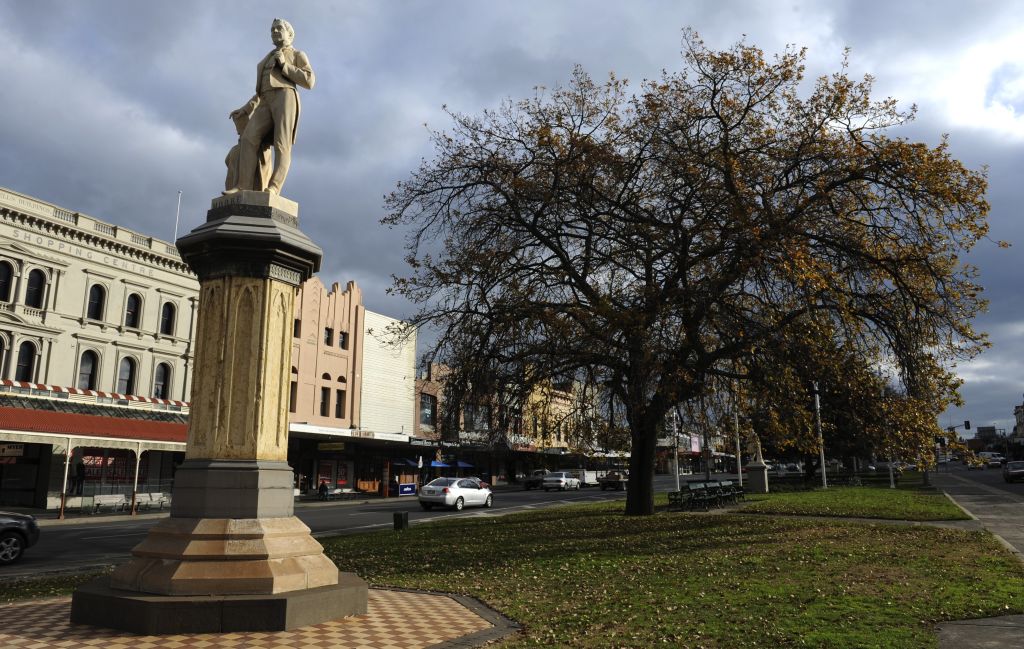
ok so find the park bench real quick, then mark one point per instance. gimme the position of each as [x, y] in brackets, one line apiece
[733, 490]
[699, 494]
[678, 500]
[116, 502]
[150, 500]
[340, 494]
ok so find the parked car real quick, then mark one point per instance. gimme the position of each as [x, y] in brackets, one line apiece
[560, 480]
[455, 493]
[17, 533]
[617, 480]
[535, 480]
[1013, 471]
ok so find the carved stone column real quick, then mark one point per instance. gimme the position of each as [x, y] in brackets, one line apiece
[232, 532]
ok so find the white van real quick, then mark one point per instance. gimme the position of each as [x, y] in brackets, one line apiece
[992, 460]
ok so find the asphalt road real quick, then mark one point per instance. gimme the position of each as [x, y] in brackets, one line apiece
[997, 504]
[81, 544]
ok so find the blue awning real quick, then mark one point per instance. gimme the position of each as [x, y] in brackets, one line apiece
[436, 463]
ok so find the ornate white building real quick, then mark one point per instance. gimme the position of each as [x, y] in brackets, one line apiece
[90, 305]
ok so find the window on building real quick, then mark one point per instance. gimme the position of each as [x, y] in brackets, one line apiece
[26, 368]
[6, 281]
[36, 286]
[167, 319]
[297, 328]
[293, 392]
[88, 366]
[339, 399]
[162, 381]
[328, 336]
[343, 339]
[97, 296]
[126, 376]
[3, 350]
[133, 311]
[428, 410]
[476, 417]
[325, 401]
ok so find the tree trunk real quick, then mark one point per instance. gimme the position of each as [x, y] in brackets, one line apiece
[640, 493]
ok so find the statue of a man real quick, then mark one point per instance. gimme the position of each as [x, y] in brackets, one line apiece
[273, 111]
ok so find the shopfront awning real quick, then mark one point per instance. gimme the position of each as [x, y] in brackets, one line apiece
[463, 465]
[438, 464]
[404, 462]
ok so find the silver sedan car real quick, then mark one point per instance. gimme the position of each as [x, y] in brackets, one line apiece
[560, 480]
[455, 493]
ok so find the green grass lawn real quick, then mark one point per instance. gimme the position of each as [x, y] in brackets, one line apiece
[861, 502]
[590, 577]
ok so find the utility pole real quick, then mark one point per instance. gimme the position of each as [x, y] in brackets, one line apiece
[675, 436]
[817, 429]
[736, 430]
[707, 438]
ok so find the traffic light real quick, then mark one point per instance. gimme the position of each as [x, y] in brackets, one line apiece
[967, 424]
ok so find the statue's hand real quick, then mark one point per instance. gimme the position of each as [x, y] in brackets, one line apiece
[279, 58]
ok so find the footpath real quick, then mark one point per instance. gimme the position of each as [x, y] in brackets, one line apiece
[1002, 514]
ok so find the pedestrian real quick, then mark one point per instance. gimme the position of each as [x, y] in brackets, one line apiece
[322, 490]
[79, 477]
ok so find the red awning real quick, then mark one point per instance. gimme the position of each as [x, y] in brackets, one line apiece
[66, 423]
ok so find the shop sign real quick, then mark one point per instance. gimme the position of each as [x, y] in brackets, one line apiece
[407, 489]
[12, 450]
[392, 437]
[365, 434]
[330, 446]
[416, 441]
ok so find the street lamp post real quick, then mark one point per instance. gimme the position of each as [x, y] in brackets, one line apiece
[675, 436]
[817, 429]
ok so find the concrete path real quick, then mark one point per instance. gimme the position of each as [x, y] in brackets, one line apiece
[1002, 514]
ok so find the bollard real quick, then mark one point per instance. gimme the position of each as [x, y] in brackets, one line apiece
[401, 521]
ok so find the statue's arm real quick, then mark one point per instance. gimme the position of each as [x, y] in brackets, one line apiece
[301, 74]
[245, 109]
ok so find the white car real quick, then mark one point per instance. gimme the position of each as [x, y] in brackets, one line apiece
[455, 493]
[560, 480]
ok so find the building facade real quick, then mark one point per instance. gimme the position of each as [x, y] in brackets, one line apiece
[90, 313]
[91, 305]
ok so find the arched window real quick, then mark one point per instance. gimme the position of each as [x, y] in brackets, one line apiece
[167, 319]
[293, 392]
[339, 399]
[133, 311]
[126, 376]
[97, 296]
[6, 281]
[36, 285]
[26, 362]
[162, 381]
[325, 397]
[88, 367]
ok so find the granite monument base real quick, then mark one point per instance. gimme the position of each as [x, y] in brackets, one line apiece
[98, 604]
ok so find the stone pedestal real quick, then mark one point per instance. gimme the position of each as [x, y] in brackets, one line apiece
[757, 478]
[232, 535]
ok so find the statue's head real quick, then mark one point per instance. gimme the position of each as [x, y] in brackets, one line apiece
[281, 32]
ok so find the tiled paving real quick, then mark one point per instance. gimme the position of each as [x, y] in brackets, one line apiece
[395, 620]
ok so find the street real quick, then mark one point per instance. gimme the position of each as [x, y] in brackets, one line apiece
[997, 504]
[81, 544]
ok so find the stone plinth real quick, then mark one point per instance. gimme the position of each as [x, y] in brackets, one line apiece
[232, 535]
[207, 556]
[99, 604]
[757, 478]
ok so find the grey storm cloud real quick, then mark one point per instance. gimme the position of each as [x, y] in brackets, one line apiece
[118, 104]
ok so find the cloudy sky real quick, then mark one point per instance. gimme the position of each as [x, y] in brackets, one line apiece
[111, 107]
